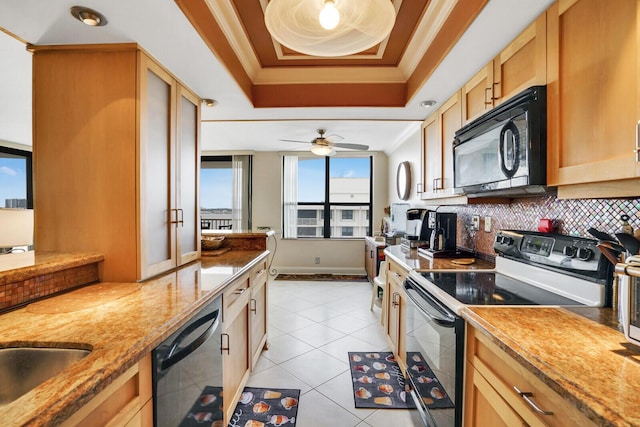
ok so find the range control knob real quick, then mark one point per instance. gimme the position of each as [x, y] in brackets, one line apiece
[585, 254]
[569, 251]
[505, 240]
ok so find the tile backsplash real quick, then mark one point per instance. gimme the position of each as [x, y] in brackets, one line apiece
[571, 217]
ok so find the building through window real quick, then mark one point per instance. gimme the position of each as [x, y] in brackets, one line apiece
[16, 185]
[327, 197]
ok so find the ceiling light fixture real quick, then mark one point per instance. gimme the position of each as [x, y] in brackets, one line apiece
[322, 150]
[428, 104]
[329, 28]
[209, 102]
[88, 16]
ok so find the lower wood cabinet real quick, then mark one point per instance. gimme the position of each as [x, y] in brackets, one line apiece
[125, 402]
[373, 255]
[395, 306]
[499, 391]
[258, 312]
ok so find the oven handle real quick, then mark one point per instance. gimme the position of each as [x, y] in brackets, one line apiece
[434, 310]
[423, 411]
[174, 356]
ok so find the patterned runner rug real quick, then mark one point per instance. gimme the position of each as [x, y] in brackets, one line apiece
[260, 407]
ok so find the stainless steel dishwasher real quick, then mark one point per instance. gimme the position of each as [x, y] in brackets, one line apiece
[187, 372]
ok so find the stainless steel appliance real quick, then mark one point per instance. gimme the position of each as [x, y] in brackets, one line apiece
[443, 228]
[629, 283]
[532, 269]
[503, 152]
[187, 372]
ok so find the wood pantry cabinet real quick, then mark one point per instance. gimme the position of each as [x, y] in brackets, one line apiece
[258, 308]
[394, 323]
[116, 143]
[499, 391]
[593, 98]
[520, 65]
[373, 255]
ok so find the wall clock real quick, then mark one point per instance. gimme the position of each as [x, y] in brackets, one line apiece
[403, 180]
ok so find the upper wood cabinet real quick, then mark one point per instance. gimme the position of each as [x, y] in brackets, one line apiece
[593, 96]
[437, 150]
[520, 65]
[116, 139]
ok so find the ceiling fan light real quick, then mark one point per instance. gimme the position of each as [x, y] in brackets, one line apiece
[329, 15]
[322, 150]
[362, 24]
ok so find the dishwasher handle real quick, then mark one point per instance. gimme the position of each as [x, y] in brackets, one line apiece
[428, 305]
[175, 355]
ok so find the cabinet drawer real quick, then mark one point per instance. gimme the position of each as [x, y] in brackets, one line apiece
[234, 295]
[504, 373]
[397, 273]
[259, 272]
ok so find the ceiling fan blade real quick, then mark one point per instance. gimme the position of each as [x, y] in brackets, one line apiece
[332, 137]
[349, 146]
[293, 140]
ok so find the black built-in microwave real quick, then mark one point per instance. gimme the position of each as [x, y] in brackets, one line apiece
[503, 152]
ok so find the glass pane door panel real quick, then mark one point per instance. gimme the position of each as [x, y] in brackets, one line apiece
[188, 161]
[157, 211]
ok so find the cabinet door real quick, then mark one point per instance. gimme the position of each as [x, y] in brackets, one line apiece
[450, 122]
[157, 185]
[235, 355]
[477, 94]
[523, 63]
[258, 309]
[484, 406]
[187, 186]
[431, 155]
[393, 329]
[592, 92]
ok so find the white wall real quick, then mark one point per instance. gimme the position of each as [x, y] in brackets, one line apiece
[298, 256]
[15, 94]
[407, 151]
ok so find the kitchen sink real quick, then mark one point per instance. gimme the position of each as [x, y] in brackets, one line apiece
[24, 368]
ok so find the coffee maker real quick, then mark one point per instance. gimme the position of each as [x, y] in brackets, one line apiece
[417, 233]
[443, 230]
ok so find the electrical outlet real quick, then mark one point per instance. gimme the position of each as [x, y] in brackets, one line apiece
[475, 222]
[487, 224]
[317, 260]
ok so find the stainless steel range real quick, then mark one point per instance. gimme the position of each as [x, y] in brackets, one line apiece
[532, 269]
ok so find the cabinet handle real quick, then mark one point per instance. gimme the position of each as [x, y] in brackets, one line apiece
[171, 216]
[260, 272]
[493, 92]
[222, 346]
[490, 102]
[527, 398]
[419, 188]
[180, 217]
[393, 299]
[253, 306]
[637, 150]
[240, 291]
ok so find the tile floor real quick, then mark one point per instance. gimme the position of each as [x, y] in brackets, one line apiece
[312, 326]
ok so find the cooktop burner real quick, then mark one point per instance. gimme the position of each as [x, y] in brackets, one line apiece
[493, 288]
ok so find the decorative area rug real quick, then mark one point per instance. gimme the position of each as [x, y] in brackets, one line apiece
[379, 383]
[324, 277]
[259, 407]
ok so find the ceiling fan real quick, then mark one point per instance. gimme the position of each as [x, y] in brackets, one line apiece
[324, 146]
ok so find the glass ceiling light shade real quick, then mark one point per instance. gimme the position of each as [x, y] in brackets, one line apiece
[322, 150]
[361, 24]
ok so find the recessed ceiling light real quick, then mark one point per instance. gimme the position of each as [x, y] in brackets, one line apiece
[209, 102]
[88, 16]
[428, 104]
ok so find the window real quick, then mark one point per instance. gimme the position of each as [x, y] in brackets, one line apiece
[225, 192]
[16, 185]
[322, 193]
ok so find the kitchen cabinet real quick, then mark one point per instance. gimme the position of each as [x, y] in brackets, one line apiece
[125, 402]
[491, 398]
[437, 150]
[521, 64]
[593, 98]
[258, 308]
[373, 255]
[394, 323]
[117, 142]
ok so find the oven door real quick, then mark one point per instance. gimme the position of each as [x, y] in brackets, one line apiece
[435, 335]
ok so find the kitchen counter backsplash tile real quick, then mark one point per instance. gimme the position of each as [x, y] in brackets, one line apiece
[572, 217]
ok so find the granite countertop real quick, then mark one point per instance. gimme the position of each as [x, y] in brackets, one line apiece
[121, 323]
[375, 242]
[24, 265]
[239, 234]
[579, 353]
[414, 261]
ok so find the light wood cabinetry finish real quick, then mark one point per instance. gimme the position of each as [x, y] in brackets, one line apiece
[492, 381]
[520, 65]
[437, 150]
[125, 402]
[116, 144]
[593, 97]
[395, 311]
[373, 254]
[244, 331]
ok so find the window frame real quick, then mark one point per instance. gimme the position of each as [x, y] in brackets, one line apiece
[28, 156]
[327, 204]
